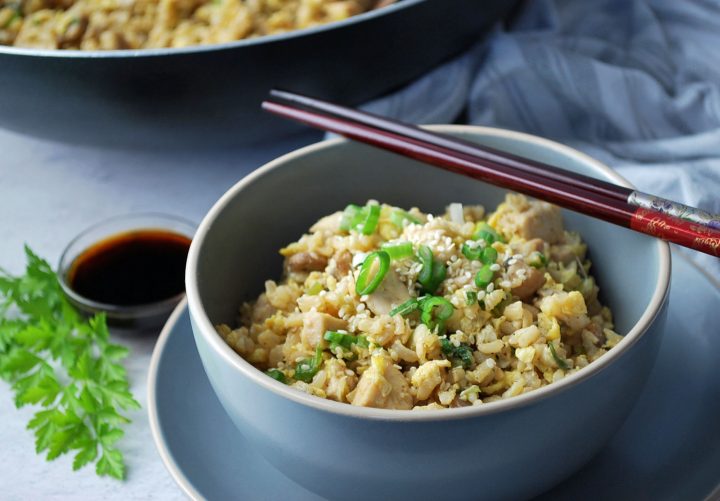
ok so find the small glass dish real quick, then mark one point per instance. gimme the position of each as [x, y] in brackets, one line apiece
[139, 315]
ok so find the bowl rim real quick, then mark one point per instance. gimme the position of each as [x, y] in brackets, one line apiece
[197, 49]
[207, 330]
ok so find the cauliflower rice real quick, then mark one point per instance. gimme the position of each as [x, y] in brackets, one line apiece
[470, 310]
[142, 24]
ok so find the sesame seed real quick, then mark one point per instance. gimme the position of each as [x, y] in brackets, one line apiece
[505, 284]
[495, 267]
[490, 287]
[511, 261]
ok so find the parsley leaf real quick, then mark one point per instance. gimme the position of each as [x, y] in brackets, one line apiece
[55, 358]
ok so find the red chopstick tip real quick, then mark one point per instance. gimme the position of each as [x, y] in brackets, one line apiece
[685, 233]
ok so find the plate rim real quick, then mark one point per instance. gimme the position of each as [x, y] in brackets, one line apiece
[161, 446]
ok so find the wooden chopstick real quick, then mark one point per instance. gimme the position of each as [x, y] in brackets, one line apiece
[688, 234]
[503, 160]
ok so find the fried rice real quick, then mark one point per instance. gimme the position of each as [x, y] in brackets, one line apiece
[387, 308]
[142, 24]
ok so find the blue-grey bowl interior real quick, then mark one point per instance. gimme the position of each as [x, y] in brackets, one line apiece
[521, 446]
[209, 96]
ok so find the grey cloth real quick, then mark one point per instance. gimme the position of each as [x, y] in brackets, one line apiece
[634, 83]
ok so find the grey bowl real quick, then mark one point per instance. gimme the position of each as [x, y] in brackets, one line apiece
[209, 96]
[513, 448]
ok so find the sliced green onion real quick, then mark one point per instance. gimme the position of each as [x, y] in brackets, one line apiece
[432, 273]
[315, 289]
[406, 308]
[471, 297]
[362, 341]
[398, 251]
[435, 311]
[561, 363]
[365, 284]
[399, 216]
[276, 374]
[352, 215]
[371, 220]
[306, 368]
[339, 339]
[537, 259]
[360, 219]
[426, 259]
[472, 253]
[488, 255]
[486, 232]
[439, 273]
[343, 341]
[484, 276]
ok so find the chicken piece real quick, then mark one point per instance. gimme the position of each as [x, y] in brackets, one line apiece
[305, 262]
[534, 279]
[530, 219]
[542, 220]
[390, 293]
[382, 386]
[315, 324]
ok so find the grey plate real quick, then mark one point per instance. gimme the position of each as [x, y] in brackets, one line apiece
[668, 449]
[209, 96]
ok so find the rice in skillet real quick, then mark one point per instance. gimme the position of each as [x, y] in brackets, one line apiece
[142, 24]
[385, 308]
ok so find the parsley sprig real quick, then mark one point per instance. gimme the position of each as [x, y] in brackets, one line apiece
[55, 358]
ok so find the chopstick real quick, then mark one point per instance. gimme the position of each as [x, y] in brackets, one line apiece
[503, 159]
[574, 197]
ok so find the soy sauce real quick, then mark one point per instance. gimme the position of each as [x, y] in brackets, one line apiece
[133, 268]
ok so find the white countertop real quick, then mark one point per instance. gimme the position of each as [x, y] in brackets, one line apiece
[48, 194]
